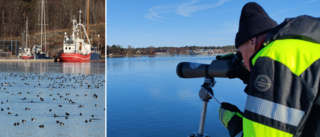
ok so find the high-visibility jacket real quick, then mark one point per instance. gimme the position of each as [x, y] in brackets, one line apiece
[283, 91]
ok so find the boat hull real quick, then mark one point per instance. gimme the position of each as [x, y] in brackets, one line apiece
[26, 57]
[95, 56]
[74, 57]
[42, 56]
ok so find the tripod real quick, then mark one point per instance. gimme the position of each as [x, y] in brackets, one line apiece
[205, 93]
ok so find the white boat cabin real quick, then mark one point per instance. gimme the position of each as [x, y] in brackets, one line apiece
[24, 51]
[74, 44]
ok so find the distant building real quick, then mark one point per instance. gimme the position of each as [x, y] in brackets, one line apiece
[162, 52]
[9, 48]
[219, 51]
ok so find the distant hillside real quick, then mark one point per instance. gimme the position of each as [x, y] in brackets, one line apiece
[59, 13]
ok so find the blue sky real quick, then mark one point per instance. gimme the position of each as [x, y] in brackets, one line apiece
[178, 23]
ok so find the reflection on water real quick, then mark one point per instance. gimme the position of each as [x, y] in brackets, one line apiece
[83, 68]
[146, 98]
[43, 67]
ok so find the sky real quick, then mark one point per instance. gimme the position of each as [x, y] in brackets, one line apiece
[179, 23]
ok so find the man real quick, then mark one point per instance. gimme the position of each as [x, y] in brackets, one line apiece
[283, 88]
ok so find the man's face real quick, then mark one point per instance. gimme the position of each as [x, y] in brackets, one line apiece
[247, 50]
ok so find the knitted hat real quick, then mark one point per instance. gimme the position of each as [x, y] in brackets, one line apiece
[253, 22]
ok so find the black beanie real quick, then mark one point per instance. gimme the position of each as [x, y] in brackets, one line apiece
[253, 22]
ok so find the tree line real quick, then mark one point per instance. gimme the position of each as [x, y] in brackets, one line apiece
[58, 13]
[117, 50]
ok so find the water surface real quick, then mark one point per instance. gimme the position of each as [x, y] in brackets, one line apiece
[54, 94]
[146, 98]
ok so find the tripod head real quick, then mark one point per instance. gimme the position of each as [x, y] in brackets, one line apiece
[205, 94]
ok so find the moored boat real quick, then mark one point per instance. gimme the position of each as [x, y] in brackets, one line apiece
[75, 48]
[25, 52]
[38, 53]
[38, 50]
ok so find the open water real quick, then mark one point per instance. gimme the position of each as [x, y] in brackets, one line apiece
[146, 98]
[46, 99]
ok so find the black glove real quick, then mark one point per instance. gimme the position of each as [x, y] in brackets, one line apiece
[229, 117]
[238, 70]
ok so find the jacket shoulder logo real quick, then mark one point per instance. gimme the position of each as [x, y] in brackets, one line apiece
[262, 83]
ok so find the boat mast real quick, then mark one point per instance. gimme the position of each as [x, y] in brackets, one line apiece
[26, 32]
[43, 29]
[41, 22]
[88, 19]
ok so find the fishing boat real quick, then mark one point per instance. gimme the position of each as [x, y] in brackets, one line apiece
[25, 52]
[75, 48]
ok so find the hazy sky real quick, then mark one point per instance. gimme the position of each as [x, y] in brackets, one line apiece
[177, 23]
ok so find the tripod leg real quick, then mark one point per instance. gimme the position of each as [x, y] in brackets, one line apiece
[203, 117]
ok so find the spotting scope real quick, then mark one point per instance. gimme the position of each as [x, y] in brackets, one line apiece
[217, 68]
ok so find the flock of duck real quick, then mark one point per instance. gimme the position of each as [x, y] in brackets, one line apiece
[75, 91]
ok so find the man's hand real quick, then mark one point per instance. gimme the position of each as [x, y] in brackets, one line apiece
[231, 117]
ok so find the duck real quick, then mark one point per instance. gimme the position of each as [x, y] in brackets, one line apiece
[95, 96]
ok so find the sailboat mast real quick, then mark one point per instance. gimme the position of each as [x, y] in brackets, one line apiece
[88, 18]
[26, 32]
[41, 22]
[44, 29]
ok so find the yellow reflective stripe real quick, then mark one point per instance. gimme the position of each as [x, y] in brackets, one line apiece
[254, 129]
[296, 54]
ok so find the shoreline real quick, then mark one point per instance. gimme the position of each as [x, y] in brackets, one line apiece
[36, 60]
[26, 60]
[151, 55]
